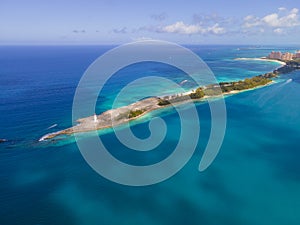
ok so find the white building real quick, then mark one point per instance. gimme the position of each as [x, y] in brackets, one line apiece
[95, 118]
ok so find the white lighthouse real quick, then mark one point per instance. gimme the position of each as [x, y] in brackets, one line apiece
[95, 118]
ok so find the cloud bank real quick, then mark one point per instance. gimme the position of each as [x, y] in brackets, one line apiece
[279, 21]
[182, 28]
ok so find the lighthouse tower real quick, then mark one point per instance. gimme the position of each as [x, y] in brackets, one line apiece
[95, 118]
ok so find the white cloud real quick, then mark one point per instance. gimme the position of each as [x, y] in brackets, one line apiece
[251, 21]
[275, 20]
[182, 28]
[216, 29]
[271, 20]
[141, 38]
[120, 31]
[281, 22]
[294, 10]
[281, 8]
[278, 31]
[290, 20]
[249, 18]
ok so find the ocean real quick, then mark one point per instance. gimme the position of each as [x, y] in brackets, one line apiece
[255, 179]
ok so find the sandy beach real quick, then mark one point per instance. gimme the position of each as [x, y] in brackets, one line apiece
[262, 59]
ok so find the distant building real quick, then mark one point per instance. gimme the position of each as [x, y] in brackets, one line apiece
[283, 56]
[275, 55]
[287, 56]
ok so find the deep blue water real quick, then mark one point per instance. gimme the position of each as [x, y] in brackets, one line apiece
[255, 179]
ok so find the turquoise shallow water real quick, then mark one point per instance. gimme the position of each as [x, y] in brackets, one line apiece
[254, 179]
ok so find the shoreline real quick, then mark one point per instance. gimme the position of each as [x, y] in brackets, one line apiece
[107, 119]
[87, 124]
[119, 116]
[262, 59]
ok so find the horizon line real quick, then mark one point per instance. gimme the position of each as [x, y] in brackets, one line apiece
[118, 44]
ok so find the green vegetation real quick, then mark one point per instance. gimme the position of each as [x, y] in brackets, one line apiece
[248, 83]
[225, 87]
[199, 93]
[135, 113]
[162, 102]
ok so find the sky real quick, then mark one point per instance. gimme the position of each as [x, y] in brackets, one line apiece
[119, 22]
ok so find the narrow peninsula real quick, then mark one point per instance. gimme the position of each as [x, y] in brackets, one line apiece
[118, 116]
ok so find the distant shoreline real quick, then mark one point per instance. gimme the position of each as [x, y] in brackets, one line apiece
[262, 59]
